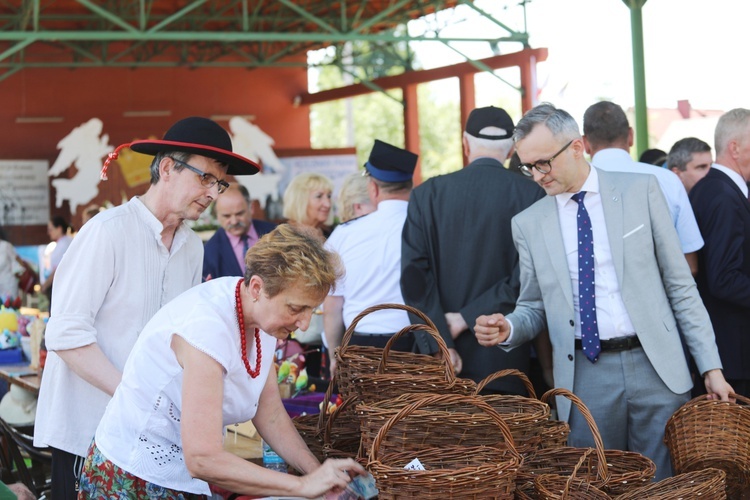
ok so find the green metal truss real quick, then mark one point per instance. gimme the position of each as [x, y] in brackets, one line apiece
[215, 33]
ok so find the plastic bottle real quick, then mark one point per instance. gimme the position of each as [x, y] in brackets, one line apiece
[271, 460]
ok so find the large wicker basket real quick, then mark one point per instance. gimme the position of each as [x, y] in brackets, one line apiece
[386, 382]
[613, 471]
[707, 433]
[556, 487]
[353, 360]
[707, 483]
[465, 472]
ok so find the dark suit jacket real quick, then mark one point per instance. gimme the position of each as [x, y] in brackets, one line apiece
[458, 256]
[723, 215]
[218, 256]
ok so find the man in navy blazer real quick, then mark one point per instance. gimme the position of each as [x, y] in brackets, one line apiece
[722, 209]
[224, 253]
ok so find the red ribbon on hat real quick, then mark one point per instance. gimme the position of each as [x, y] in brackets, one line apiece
[111, 156]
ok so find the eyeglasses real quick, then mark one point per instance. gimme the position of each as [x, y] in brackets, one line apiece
[526, 168]
[207, 180]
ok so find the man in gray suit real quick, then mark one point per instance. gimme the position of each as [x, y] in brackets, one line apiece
[617, 348]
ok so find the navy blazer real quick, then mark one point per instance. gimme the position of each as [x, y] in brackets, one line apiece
[723, 215]
[218, 257]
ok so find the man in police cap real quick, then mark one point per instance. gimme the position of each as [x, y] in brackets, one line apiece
[458, 260]
[123, 265]
[370, 248]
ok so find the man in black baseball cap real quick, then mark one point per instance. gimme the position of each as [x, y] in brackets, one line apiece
[458, 257]
[123, 265]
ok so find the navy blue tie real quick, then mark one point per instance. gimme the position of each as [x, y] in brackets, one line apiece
[586, 285]
[245, 245]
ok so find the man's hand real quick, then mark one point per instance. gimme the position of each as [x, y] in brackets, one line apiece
[491, 330]
[716, 386]
[456, 361]
[456, 324]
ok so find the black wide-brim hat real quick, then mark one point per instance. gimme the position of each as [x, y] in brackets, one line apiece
[199, 136]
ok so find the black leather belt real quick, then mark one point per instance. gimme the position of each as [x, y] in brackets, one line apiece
[616, 344]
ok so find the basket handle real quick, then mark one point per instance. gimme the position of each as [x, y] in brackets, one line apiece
[584, 457]
[704, 397]
[504, 373]
[326, 400]
[450, 376]
[443, 399]
[603, 469]
[350, 331]
[329, 423]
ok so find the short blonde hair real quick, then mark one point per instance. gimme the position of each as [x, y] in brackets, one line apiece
[292, 254]
[353, 191]
[298, 191]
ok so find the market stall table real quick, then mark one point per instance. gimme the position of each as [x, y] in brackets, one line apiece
[21, 375]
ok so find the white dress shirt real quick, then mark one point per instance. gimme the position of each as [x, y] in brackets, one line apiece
[683, 218]
[114, 277]
[370, 248]
[611, 316]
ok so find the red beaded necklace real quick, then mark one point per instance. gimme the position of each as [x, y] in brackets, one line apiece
[243, 338]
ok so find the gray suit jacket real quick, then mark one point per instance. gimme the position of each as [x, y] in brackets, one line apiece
[655, 281]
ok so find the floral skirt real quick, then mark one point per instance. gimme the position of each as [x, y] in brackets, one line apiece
[103, 479]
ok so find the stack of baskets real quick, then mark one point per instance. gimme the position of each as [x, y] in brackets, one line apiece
[614, 472]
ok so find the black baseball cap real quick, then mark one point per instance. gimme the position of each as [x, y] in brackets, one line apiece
[480, 118]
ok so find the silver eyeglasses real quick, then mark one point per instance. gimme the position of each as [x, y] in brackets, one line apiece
[542, 166]
[207, 180]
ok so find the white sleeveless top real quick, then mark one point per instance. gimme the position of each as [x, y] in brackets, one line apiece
[140, 430]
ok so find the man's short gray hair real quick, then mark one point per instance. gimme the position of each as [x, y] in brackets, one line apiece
[495, 148]
[682, 152]
[558, 121]
[177, 155]
[731, 125]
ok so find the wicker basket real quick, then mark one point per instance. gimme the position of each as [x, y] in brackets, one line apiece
[707, 483]
[466, 472]
[545, 432]
[707, 433]
[449, 423]
[556, 487]
[308, 428]
[353, 360]
[386, 383]
[341, 435]
[616, 473]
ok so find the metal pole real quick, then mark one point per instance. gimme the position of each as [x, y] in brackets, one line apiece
[639, 75]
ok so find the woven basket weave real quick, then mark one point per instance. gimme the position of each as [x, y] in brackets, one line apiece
[707, 483]
[707, 433]
[556, 487]
[354, 360]
[547, 433]
[616, 473]
[386, 382]
[447, 422]
[465, 472]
